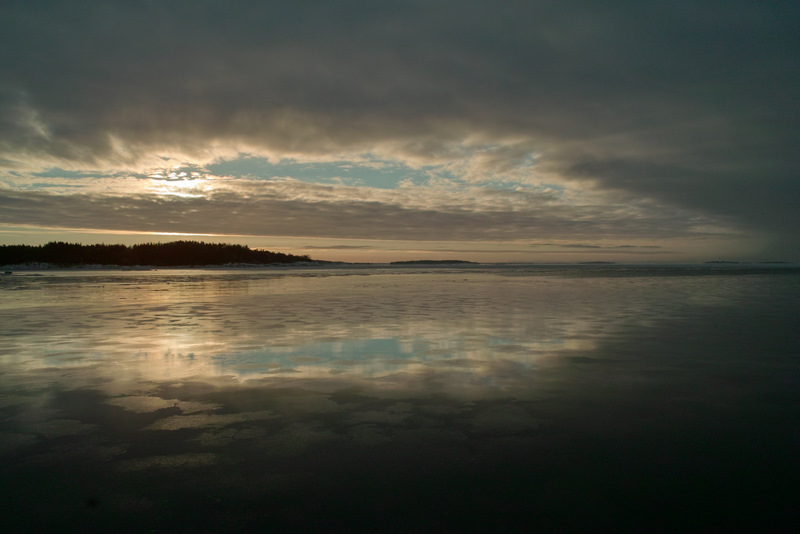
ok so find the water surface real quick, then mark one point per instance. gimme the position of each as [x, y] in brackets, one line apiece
[401, 399]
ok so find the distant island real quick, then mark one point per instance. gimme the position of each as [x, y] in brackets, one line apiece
[174, 254]
[758, 262]
[429, 262]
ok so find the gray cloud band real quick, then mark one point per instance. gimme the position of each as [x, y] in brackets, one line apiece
[229, 213]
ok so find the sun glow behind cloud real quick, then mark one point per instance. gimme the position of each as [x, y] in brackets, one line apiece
[181, 181]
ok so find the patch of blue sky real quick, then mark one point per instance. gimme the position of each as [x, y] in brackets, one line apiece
[368, 172]
[38, 186]
[439, 171]
[372, 173]
[56, 172]
[510, 185]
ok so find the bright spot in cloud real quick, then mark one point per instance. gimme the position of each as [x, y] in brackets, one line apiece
[179, 181]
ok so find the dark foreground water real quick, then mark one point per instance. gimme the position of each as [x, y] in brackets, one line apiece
[401, 400]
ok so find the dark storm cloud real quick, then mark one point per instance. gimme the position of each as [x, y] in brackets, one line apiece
[691, 103]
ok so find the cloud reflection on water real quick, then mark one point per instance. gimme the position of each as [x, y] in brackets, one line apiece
[282, 388]
[172, 327]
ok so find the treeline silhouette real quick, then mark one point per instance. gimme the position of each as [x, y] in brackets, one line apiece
[156, 254]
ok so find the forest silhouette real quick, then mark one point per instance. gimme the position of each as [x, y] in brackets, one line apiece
[176, 253]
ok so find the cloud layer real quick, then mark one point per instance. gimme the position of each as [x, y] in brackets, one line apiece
[275, 211]
[675, 108]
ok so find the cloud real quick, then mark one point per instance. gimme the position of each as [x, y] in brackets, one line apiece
[338, 247]
[285, 209]
[680, 104]
[593, 247]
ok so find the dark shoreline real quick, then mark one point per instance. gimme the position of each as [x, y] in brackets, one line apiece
[174, 254]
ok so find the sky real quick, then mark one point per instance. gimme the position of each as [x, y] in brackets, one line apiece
[387, 130]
